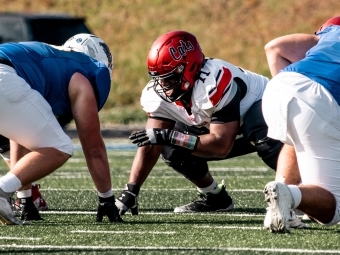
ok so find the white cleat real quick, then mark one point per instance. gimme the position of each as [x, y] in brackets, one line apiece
[295, 222]
[279, 200]
[7, 216]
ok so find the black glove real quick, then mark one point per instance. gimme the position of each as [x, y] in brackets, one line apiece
[107, 207]
[128, 199]
[151, 136]
[164, 136]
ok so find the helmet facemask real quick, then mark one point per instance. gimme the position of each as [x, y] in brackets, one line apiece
[170, 83]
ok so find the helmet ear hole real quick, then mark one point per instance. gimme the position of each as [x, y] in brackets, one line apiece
[193, 67]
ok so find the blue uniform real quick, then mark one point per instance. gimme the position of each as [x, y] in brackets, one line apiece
[49, 70]
[322, 62]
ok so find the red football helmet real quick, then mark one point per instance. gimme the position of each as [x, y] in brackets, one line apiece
[174, 61]
[332, 21]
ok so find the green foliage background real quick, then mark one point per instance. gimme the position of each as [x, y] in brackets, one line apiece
[232, 30]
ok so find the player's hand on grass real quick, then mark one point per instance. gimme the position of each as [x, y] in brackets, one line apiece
[128, 199]
[107, 207]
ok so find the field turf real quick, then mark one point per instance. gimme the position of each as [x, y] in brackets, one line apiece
[69, 225]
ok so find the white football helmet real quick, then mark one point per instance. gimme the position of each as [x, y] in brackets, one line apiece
[92, 46]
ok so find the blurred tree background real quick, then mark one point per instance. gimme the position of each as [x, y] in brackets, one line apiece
[232, 30]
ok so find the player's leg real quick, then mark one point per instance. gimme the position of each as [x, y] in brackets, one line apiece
[318, 155]
[28, 120]
[314, 130]
[212, 197]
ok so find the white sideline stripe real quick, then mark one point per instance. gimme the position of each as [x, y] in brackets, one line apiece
[124, 232]
[190, 189]
[219, 169]
[230, 227]
[158, 213]
[73, 176]
[18, 238]
[103, 248]
[239, 169]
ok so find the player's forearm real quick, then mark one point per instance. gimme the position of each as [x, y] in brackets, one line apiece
[145, 159]
[211, 146]
[99, 169]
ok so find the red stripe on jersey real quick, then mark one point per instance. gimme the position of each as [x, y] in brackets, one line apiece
[221, 86]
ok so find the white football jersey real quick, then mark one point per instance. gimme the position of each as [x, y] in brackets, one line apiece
[212, 91]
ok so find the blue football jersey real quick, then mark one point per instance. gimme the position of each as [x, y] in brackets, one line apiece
[49, 70]
[322, 62]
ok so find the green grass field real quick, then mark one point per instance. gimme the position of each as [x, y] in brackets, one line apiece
[69, 225]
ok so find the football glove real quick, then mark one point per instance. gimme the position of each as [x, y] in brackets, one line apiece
[164, 136]
[128, 199]
[107, 207]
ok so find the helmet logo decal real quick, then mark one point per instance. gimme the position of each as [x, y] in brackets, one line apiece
[108, 54]
[78, 40]
[181, 50]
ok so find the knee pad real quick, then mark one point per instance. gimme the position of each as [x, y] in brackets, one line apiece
[268, 150]
[180, 160]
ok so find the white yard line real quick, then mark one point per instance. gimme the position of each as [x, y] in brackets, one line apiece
[160, 248]
[18, 238]
[125, 232]
[184, 189]
[158, 213]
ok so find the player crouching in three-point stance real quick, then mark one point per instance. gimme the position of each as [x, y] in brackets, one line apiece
[38, 82]
[199, 109]
[301, 108]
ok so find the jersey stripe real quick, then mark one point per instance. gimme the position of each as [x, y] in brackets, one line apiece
[222, 86]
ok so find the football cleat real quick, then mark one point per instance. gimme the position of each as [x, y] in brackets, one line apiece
[29, 211]
[38, 200]
[295, 222]
[7, 217]
[220, 202]
[279, 199]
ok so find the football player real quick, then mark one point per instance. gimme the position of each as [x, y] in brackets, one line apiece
[200, 109]
[39, 82]
[301, 107]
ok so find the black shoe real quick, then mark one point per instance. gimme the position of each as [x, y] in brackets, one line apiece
[220, 202]
[28, 210]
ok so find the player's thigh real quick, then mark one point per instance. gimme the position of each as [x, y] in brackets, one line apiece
[28, 119]
[317, 144]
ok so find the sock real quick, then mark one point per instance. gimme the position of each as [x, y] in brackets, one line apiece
[106, 194]
[24, 193]
[10, 183]
[296, 194]
[212, 188]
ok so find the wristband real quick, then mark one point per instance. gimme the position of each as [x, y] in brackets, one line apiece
[183, 140]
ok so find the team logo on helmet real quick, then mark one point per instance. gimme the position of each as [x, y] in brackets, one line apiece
[108, 54]
[78, 40]
[181, 50]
